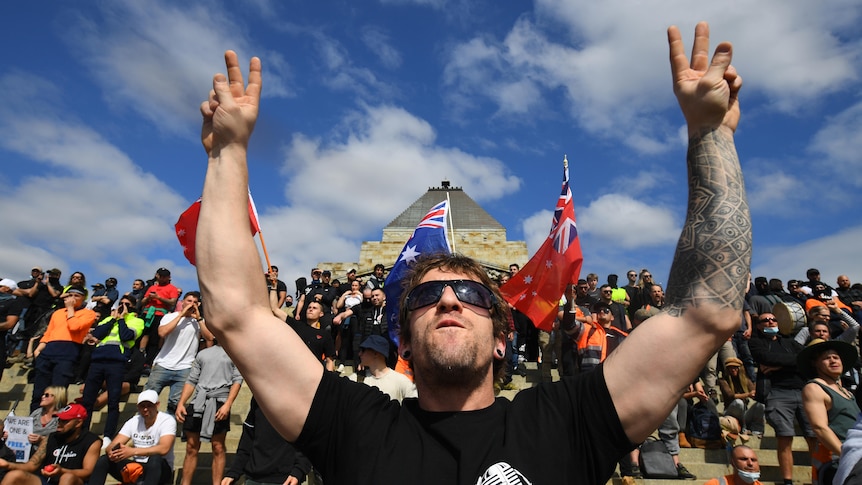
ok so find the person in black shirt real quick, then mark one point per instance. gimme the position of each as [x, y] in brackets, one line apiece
[454, 323]
[318, 340]
[11, 308]
[263, 456]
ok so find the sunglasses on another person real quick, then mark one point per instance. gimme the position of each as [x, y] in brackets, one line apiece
[467, 291]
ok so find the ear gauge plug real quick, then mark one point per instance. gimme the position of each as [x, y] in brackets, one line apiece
[500, 353]
[406, 355]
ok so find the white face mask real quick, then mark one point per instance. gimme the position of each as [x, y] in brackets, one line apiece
[748, 477]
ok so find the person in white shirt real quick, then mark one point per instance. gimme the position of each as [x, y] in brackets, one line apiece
[152, 434]
[181, 332]
[372, 353]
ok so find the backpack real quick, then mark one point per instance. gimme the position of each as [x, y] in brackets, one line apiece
[704, 427]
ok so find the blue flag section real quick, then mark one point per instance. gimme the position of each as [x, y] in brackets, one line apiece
[430, 237]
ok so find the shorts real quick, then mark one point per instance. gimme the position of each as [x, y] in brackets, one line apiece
[194, 425]
[781, 407]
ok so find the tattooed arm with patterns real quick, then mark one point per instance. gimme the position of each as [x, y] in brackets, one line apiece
[707, 278]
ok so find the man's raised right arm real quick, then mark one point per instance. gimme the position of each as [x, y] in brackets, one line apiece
[271, 357]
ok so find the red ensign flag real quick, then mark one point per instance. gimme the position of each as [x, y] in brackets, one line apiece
[536, 289]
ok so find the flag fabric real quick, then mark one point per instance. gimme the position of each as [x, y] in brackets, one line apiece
[187, 226]
[536, 289]
[429, 237]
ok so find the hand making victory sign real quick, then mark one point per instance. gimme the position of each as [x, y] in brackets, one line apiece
[231, 110]
[707, 93]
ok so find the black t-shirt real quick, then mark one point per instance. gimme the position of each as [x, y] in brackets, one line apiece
[69, 455]
[561, 432]
[8, 306]
[318, 341]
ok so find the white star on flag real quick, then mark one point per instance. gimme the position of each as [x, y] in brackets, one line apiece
[528, 279]
[548, 263]
[409, 255]
[181, 233]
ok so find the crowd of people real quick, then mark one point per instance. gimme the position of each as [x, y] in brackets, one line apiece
[793, 356]
[98, 338]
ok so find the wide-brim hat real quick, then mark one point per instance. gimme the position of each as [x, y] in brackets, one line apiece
[816, 347]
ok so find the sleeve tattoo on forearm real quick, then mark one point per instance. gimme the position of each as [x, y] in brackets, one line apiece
[713, 254]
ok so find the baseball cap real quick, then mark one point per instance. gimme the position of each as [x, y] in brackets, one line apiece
[72, 411]
[377, 343]
[326, 272]
[54, 271]
[10, 283]
[149, 395]
[37, 268]
[163, 272]
[77, 290]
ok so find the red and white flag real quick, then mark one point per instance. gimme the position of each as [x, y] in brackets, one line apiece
[536, 289]
[187, 226]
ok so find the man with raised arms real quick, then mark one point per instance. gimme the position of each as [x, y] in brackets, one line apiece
[453, 322]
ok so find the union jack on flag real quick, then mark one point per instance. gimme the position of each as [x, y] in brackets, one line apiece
[564, 230]
[435, 218]
[428, 238]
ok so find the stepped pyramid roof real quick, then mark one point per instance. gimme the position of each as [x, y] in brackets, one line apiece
[463, 210]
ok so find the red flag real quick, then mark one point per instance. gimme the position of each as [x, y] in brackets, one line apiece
[536, 289]
[187, 226]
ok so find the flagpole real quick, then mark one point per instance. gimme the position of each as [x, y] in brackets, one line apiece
[265, 254]
[449, 220]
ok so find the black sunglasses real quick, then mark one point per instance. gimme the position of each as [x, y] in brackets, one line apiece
[467, 291]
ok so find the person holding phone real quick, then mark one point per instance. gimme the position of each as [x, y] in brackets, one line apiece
[114, 338]
[143, 450]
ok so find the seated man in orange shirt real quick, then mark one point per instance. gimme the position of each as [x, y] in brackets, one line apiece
[58, 351]
[822, 296]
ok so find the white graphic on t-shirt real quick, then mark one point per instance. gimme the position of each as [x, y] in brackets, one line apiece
[502, 474]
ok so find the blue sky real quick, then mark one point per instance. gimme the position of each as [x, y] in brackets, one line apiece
[367, 104]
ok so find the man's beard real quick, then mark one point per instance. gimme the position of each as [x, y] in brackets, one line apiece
[460, 369]
[65, 435]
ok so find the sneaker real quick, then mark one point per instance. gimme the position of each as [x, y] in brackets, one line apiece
[635, 471]
[682, 472]
[340, 368]
[105, 442]
[510, 386]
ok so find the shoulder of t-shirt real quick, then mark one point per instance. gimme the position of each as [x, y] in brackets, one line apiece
[168, 317]
[168, 425]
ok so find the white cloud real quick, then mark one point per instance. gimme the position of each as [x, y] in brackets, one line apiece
[610, 60]
[840, 139]
[89, 202]
[383, 159]
[833, 255]
[342, 73]
[536, 229]
[158, 59]
[768, 190]
[622, 221]
[380, 44]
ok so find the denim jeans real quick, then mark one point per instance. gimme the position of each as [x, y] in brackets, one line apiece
[161, 378]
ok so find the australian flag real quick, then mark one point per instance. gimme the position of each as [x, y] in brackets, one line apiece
[429, 237]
